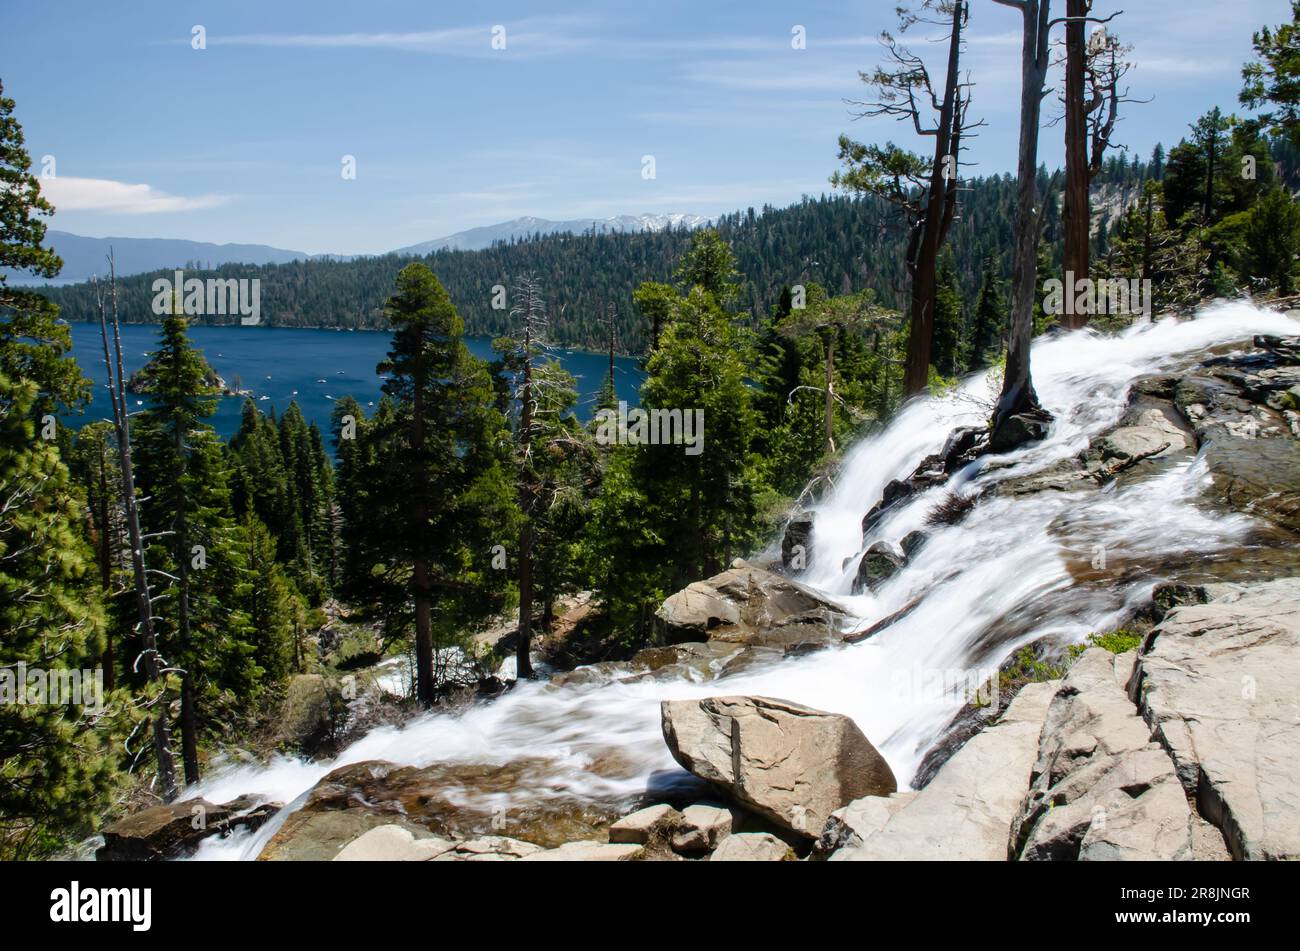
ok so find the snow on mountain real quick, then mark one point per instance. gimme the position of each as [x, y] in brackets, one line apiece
[478, 238]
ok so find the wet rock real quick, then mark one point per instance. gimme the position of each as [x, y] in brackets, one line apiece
[1217, 686]
[749, 606]
[1101, 788]
[796, 545]
[964, 445]
[896, 491]
[1252, 455]
[912, 543]
[454, 801]
[880, 563]
[1017, 430]
[1068, 475]
[690, 660]
[752, 847]
[966, 811]
[161, 832]
[791, 764]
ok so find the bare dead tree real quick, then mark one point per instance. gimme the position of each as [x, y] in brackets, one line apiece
[926, 191]
[1018, 400]
[149, 655]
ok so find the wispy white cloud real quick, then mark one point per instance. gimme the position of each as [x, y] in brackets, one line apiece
[122, 198]
[532, 36]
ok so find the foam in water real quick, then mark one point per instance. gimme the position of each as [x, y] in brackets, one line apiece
[1012, 572]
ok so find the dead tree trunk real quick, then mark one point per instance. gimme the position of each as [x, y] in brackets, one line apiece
[1076, 219]
[149, 654]
[1018, 399]
[938, 215]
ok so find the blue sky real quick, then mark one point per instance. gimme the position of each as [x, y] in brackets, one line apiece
[244, 140]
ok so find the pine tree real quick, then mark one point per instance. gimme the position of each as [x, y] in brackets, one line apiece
[33, 344]
[56, 768]
[989, 326]
[947, 351]
[443, 494]
[182, 470]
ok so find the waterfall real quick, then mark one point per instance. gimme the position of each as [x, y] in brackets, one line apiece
[1011, 572]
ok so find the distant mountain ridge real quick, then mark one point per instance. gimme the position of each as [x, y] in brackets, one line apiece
[477, 239]
[84, 258]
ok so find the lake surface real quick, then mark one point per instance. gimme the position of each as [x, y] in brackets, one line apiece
[314, 367]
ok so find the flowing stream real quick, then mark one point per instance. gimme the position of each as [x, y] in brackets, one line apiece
[1014, 570]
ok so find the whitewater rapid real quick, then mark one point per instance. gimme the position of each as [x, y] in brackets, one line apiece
[1013, 571]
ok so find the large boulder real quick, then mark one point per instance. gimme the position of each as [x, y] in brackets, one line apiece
[453, 801]
[790, 764]
[175, 830]
[1217, 685]
[965, 812]
[1101, 788]
[747, 605]
[161, 832]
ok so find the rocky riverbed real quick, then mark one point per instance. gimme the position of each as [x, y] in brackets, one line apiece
[1185, 746]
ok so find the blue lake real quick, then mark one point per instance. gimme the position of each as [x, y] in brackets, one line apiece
[314, 367]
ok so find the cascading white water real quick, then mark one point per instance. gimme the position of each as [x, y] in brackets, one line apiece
[1012, 572]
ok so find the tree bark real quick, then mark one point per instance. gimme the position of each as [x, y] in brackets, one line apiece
[162, 742]
[1018, 396]
[940, 205]
[831, 334]
[424, 679]
[523, 642]
[189, 716]
[1077, 213]
[106, 565]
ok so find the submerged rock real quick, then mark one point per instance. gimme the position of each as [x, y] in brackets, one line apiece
[1251, 452]
[789, 763]
[454, 801]
[880, 563]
